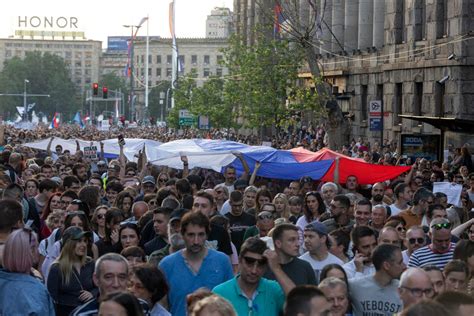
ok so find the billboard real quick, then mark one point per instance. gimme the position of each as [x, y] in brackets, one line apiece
[421, 146]
[117, 43]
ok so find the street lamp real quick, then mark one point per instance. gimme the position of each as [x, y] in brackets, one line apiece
[25, 113]
[132, 105]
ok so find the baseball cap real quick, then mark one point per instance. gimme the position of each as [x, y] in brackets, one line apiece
[74, 233]
[240, 184]
[177, 214]
[317, 227]
[149, 179]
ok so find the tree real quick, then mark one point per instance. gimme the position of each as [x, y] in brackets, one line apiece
[158, 106]
[46, 74]
[302, 26]
[263, 82]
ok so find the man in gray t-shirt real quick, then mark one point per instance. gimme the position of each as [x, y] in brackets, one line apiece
[378, 294]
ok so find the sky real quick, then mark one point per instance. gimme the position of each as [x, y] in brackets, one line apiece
[102, 18]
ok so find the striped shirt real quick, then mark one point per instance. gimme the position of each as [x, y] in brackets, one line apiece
[426, 256]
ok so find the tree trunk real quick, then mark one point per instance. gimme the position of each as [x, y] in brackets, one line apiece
[336, 125]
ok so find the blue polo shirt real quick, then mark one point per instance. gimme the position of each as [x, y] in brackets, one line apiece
[267, 300]
[215, 269]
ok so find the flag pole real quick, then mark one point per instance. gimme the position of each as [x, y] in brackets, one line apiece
[174, 52]
[146, 62]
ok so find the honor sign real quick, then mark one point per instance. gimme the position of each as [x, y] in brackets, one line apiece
[48, 26]
[47, 22]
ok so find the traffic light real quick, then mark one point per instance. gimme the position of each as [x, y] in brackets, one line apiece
[95, 89]
[105, 91]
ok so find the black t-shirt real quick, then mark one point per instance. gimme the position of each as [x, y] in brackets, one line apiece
[219, 236]
[156, 243]
[299, 271]
[238, 225]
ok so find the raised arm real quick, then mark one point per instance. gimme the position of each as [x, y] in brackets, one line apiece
[258, 164]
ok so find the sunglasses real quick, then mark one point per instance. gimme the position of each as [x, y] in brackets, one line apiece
[162, 180]
[251, 261]
[416, 241]
[129, 225]
[100, 216]
[441, 226]
[264, 216]
[76, 213]
[400, 228]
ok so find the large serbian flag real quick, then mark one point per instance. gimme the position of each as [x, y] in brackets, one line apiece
[55, 121]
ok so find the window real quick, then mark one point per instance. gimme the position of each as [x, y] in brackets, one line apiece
[78, 63]
[400, 22]
[168, 72]
[363, 102]
[194, 59]
[169, 58]
[149, 71]
[420, 20]
[149, 59]
[219, 59]
[207, 72]
[142, 59]
[418, 99]
[158, 59]
[8, 53]
[440, 91]
[78, 55]
[207, 59]
[158, 72]
[219, 72]
[181, 59]
[398, 105]
[441, 18]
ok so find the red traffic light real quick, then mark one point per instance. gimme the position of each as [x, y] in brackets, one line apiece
[95, 89]
[105, 92]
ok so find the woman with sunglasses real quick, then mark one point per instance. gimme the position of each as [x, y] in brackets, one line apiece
[399, 225]
[98, 220]
[163, 177]
[22, 293]
[70, 277]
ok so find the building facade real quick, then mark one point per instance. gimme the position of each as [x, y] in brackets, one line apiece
[219, 24]
[201, 55]
[415, 56]
[80, 56]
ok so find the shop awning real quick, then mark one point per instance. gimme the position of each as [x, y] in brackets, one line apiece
[445, 124]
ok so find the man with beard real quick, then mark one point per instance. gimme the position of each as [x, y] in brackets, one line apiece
[80, 171]
[250, 293]
[195, 266]
[364, 240]
[378, 293]
[378, 190]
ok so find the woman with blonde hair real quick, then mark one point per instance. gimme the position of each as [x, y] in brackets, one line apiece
[281, 206]
[213, 305]
[70, 277]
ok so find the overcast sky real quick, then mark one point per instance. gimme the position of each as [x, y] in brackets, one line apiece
[102, 18]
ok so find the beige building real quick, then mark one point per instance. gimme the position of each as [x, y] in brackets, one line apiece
[81, 56]
[219, 24]
[199, 54]
[416, 56]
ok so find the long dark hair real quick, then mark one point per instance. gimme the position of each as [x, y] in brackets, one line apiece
[321, 206]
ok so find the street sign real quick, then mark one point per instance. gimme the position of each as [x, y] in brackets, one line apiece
[203, 122]
[186, 118]
[375, 108]
[375, 124]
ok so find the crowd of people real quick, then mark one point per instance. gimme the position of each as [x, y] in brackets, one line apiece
[117, 237]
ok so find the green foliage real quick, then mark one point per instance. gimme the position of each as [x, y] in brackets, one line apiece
[261, 90]
[47, 74]
[155, 108]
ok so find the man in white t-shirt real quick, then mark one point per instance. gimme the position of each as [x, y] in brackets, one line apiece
[403, 195]
[317, 244]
